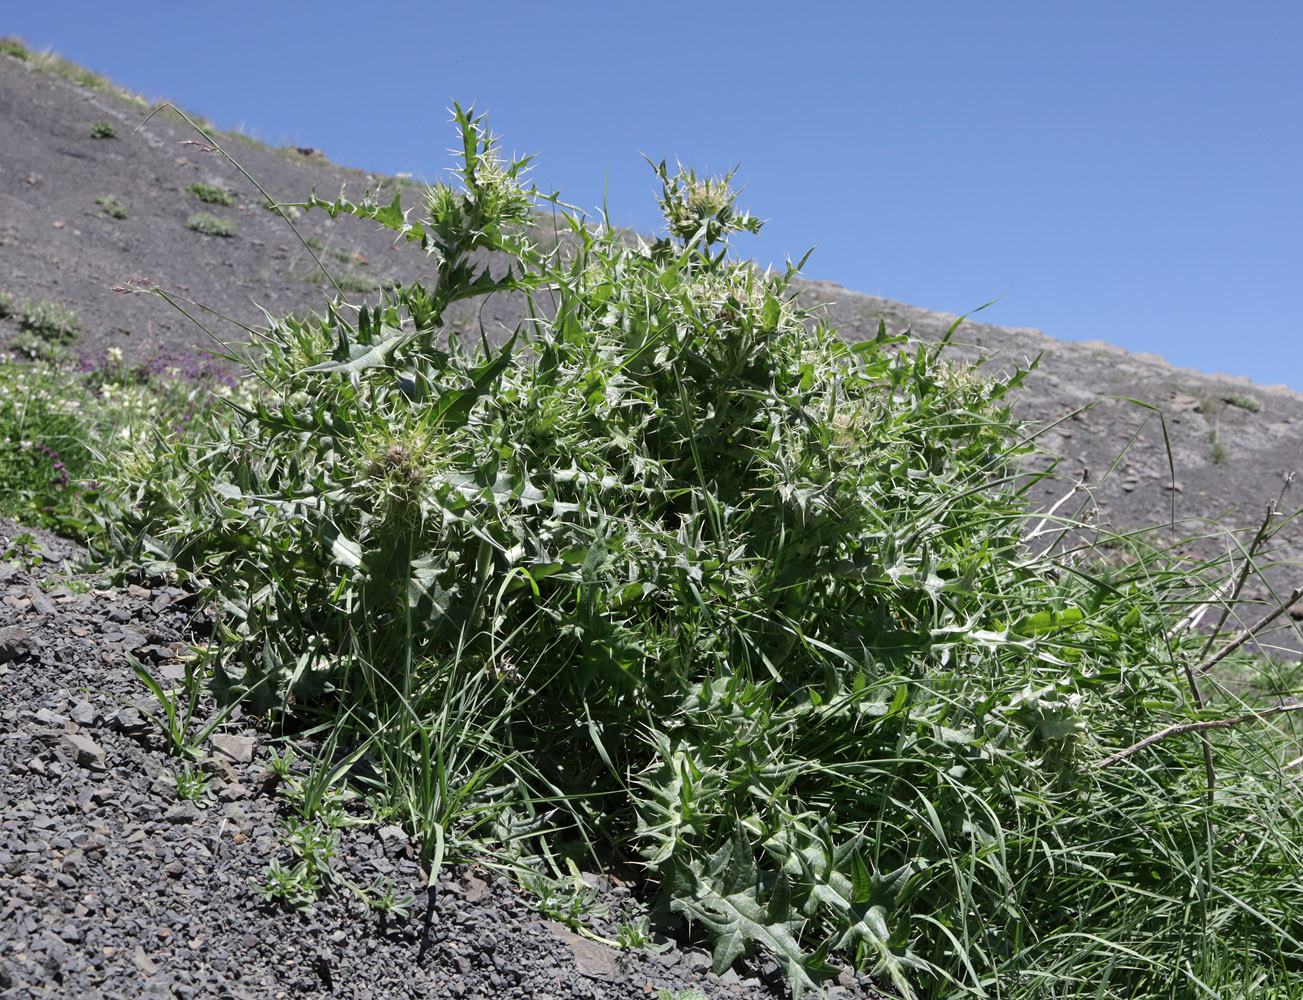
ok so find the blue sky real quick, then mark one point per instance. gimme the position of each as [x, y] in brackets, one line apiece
[1130, 172]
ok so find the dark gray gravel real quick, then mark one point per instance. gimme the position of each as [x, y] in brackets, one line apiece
[112, 888]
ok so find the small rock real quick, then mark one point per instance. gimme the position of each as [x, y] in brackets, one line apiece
[182, 812]
[15, 643]
[596, 961]
[696, 960]
[40, 603]
[72, 934]
[169, 671]
[237, 748]
[473, 889]
[47, 718]
[136, 591]
[87, 752]
[143, 961]
[128, 720]
[83, 713]
[219, 768]
[164, 786]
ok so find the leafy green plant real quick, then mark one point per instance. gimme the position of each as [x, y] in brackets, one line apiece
[23, 548]
[1243, 401]
[48, 320]
[571, 900]
[637, 935]
[357, 282]
[211, 225]
[6, 305]
[111, 206]
[13, 47]
[193, 785]
[103, 130]
[45, 458]
[297, 887]
[677, 570]
[314, 844]
[211, 193]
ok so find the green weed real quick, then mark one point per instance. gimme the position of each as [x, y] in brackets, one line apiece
[22, 549]
[178, 707]
[13, 47]
[103, 130]
[211, 225]
[1244, 402]
[193, 785]
[111, 206]
[1219, 453]
[48, 320]
[211, 193]
[6, 305]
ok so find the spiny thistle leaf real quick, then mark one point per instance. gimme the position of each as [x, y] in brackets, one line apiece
[726, 897]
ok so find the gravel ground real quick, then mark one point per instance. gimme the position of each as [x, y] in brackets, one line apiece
[111, 886]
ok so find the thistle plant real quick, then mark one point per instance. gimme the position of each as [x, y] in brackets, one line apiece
[673, 567]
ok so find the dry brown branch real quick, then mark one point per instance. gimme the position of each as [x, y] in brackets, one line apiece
[1194, 727]
[1250, 632]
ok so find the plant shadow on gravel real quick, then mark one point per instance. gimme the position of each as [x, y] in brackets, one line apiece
[676, 576]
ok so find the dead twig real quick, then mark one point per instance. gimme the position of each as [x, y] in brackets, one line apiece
[1194, 727]
[1264, 529]
[1250, 632]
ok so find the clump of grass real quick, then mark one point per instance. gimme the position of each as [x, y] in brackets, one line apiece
[111, 206]
[1244, 402]
[103, 130]
[689, 577]
[6, 305]
[1219, 452]
[210, 225]
[357, 282]
[13, 47]
[59, 419]
[211, 193]
[50, 320]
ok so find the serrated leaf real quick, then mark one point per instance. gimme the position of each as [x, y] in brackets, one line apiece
[862, 904]
[364, 356]
[726, 900]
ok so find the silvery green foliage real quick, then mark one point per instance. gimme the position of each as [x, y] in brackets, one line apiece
[675, 567]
